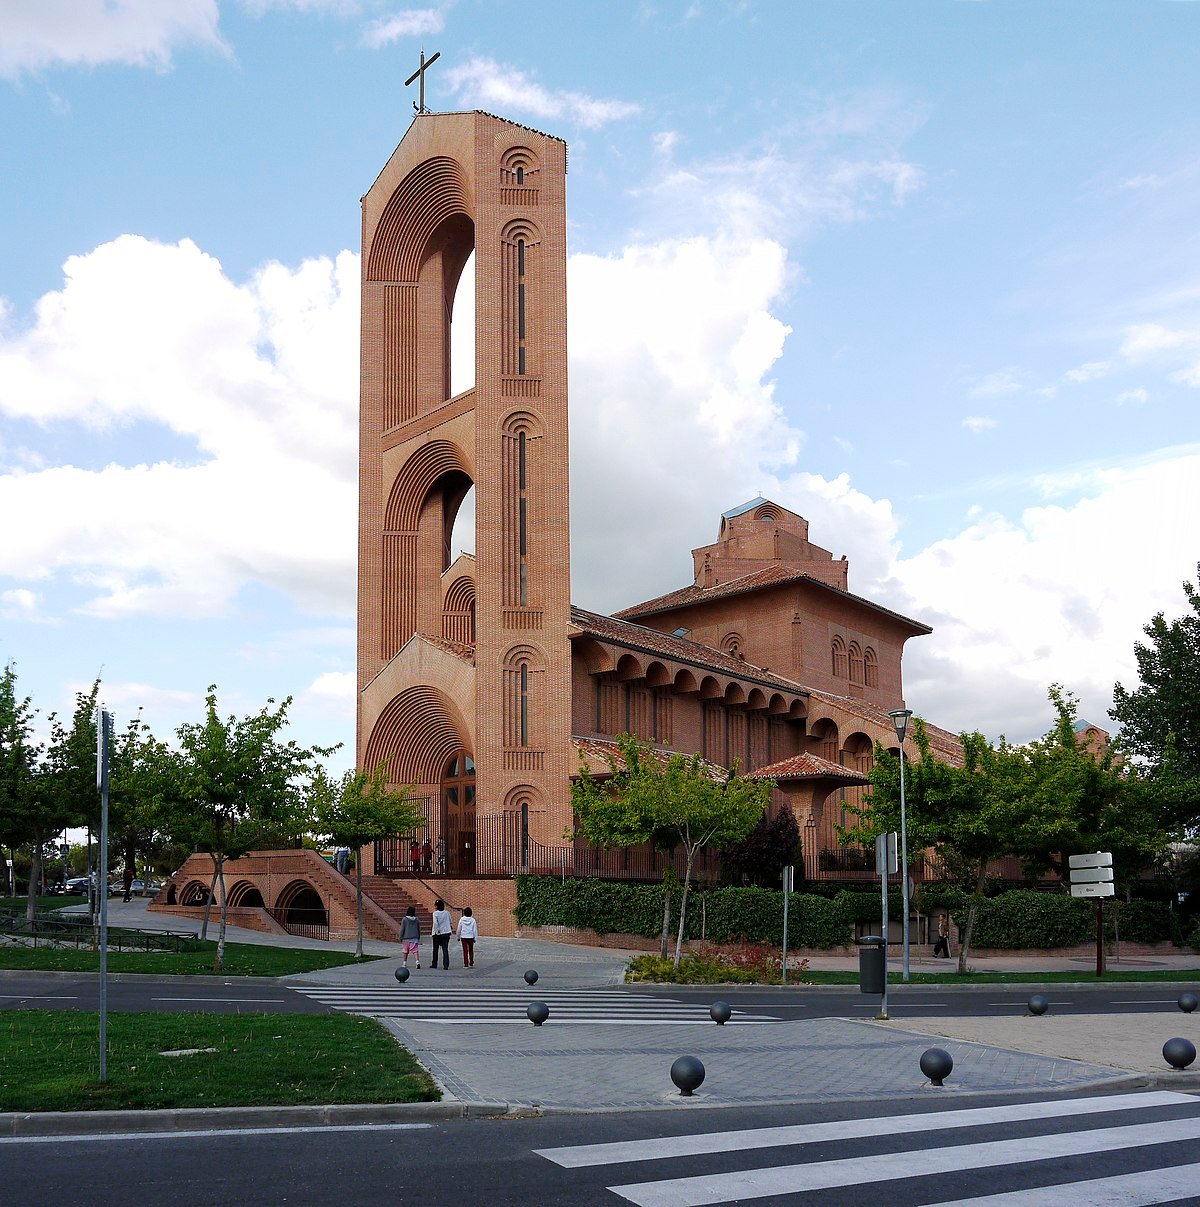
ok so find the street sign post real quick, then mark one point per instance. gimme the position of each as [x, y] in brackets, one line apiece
[886, 862]
[788, 874]
[1092, 876]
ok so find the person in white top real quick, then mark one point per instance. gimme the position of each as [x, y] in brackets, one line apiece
[468, 932]
[443, 927]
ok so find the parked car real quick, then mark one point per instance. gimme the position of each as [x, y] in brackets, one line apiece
[145, 888]
[77, 885]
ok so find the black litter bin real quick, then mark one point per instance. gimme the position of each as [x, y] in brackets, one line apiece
[870, 964]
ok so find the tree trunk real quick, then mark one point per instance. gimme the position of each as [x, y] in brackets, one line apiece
[976, 897]
[666, 930]
[358, 955]
[224, 915]
[35, 876]
[687, 880]
[212, 888]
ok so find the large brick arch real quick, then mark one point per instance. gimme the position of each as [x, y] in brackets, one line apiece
[417, 733]
[431, 193]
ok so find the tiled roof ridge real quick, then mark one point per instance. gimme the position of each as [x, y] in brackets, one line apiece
[880, 716]
[778, 576]
[460, 649]
[704, 656]
[661, 753]
[806, 765]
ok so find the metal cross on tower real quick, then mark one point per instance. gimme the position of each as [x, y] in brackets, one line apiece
[420, 71]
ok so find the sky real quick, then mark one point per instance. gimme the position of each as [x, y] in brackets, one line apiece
[927, 274]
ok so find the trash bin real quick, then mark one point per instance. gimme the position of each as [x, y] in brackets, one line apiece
[870, 964]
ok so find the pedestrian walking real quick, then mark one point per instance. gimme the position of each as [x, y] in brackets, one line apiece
[410, 935]
[414, 857]
[441, 856]
[128, 879]
[442, 929]
[427, 856]
[468, 932]
[941, 948]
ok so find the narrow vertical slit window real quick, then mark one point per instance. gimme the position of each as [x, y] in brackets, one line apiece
[521, 180]
[521, 307]
[524, 533]
[524, 585]
[524, 703]
[521, 460]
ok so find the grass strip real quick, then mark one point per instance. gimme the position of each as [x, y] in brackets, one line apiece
[49, 1061]
[704, 971]
[241, 959]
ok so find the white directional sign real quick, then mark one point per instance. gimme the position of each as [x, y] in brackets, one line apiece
[1097, 859]
[1091, 875]
[1092, 890]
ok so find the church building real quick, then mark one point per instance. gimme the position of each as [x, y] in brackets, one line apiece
[479, 684]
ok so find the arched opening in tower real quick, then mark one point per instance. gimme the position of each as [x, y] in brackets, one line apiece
[462, 335]
[462, 535]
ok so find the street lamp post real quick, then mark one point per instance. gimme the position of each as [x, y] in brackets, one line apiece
[900, 718]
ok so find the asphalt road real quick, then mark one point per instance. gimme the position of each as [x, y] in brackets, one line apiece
[1026, 1151]
[238, 995]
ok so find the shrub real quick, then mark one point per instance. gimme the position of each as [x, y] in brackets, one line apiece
[1025, 918]
[723, 915]
[745, 964]
[1142, 921]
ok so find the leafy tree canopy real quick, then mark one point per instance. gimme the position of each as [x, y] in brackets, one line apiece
[1160, 718]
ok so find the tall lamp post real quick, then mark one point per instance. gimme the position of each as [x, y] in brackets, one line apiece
[900, 718]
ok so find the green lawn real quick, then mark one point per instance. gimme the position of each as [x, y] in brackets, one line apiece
[45, 903]
[241, 959]
[49, 1061]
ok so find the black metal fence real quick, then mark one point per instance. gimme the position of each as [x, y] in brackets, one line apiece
[304, 923]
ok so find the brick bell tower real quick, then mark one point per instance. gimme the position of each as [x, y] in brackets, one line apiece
[464, 667]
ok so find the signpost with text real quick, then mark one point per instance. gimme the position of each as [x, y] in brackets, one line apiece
[1092, 876]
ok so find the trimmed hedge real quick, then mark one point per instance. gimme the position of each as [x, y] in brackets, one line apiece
[1020, 919]
[726, 915]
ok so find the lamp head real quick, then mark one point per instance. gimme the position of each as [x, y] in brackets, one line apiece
[900, 718]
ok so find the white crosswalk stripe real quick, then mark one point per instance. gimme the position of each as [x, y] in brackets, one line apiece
[941, 1156]
[436, 1004]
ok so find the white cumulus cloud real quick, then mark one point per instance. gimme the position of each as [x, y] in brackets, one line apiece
[500, 87]
[38, 34]
[411, 23]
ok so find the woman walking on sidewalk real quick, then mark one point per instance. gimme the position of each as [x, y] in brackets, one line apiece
[410, 935]
[442, 929]
[468, 932]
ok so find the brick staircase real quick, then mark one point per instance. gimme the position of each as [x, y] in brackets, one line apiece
[394, 901]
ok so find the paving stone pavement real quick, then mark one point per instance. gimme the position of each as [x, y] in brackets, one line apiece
[612, 1067]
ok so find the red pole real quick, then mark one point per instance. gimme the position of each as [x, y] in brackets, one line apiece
[1099, 936]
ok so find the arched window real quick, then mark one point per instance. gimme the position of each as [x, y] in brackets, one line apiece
[856, 663]
[871, 667]
[841, 667]
[522, 675]
[732, 644]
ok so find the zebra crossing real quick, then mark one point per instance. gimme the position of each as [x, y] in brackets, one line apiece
[1031, 1154]
[425, 1003]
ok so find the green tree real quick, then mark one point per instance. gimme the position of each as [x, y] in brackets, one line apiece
[240, 787]
[19, 758]
[1103, 803]
[359, 809]
[1160, 719]
[676, 804]
[144, 783]
[972, 814]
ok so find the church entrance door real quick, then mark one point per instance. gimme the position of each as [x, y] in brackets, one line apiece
[458, 814]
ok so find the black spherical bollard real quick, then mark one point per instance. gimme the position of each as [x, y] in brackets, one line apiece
[402, 974]
[1187, 1002]
[1179, 1053]
[1038, 1003]
[688, 1074]
[936, 1064]
[537, 1013]
[531, 977]
[720, 1012]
